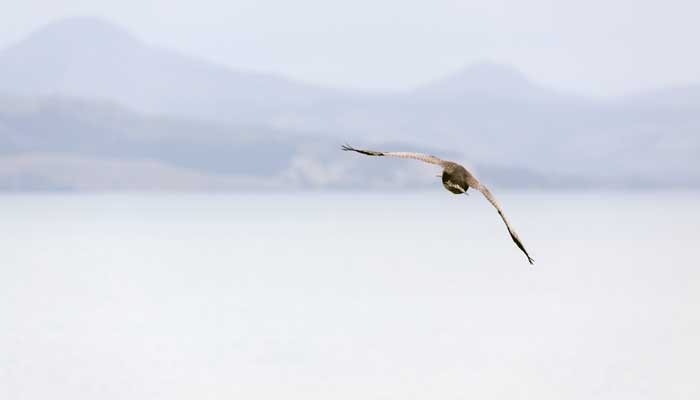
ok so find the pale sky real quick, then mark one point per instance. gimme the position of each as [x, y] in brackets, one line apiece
[595, 47]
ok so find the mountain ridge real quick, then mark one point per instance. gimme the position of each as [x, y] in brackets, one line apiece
[93, 27]
[489, 114]
[90, 58]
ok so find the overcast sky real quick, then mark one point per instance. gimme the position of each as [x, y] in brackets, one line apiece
[599, 47]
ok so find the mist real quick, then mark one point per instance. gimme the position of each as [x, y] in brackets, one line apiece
[179, 221]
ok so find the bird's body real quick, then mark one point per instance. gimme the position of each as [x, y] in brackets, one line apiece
[456, 179]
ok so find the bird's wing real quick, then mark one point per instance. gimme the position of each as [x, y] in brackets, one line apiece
[489, 196]
[416, 156]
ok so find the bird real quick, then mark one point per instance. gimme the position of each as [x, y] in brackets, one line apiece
[455, 178]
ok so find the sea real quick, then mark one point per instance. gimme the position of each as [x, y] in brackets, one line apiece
[349, 296]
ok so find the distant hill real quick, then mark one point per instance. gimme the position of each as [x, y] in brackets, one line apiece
[486, 79]
[61, 144]
[83, 91]
[92, 58]
[675, 97]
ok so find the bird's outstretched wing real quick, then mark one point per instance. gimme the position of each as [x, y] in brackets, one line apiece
[416, 156]
[489, 196]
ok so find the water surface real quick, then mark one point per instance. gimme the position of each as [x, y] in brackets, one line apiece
[347, 296]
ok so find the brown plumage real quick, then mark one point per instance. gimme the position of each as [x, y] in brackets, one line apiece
[456, 179]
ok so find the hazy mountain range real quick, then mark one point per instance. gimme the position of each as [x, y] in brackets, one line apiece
[85, 105]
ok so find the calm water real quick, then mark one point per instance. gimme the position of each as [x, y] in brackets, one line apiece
[349, 296]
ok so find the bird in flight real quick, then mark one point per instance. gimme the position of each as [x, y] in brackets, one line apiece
[455, 178]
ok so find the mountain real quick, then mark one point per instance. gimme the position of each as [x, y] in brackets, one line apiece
[485, 79]
[64, 144]
[91, 58]
[84, 92]
[675, 97]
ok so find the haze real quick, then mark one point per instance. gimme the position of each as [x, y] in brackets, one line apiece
[179, 221]
[595, 48]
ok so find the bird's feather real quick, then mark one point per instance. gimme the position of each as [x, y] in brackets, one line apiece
[400, 154]
[489, 196]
